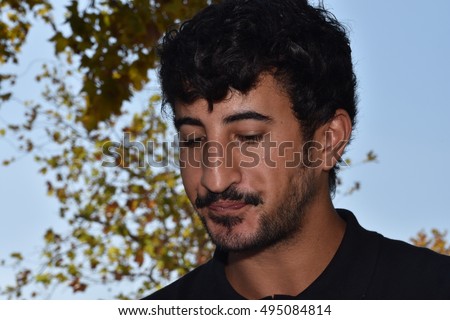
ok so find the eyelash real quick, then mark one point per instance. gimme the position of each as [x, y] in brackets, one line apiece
[250, 139]
[191, 143]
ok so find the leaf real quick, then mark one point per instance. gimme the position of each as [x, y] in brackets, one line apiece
[133, 204]
[371, 156]
[7, 162]
[5, 96]
[17, 256]
[49, 236]
[139, 257]
[61, 277]
[60, 42]
[77, 285]
[113, 253]
[44, 278]
[155, 98]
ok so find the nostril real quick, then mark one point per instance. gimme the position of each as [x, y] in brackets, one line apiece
[217, 177]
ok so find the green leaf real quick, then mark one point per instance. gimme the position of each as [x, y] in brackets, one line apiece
[60, 42]
[17, 256]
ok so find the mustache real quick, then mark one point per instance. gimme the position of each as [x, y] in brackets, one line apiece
[230, 194]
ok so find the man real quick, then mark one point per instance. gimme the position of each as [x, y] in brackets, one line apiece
[263, 96]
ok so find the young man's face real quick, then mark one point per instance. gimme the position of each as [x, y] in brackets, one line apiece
[241, 166]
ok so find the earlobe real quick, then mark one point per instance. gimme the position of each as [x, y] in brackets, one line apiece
[335, 137]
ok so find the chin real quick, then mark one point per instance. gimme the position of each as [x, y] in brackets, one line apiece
[235, 238]
[239, 239]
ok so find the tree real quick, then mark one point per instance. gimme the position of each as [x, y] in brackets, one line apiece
[436, 241]
[127, 220]
[14, 27]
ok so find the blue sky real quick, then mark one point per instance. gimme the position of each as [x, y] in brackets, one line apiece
[400, 50]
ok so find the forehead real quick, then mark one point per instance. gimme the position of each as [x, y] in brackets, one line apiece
[266, 100]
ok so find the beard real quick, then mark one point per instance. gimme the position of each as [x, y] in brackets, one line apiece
[273, 227]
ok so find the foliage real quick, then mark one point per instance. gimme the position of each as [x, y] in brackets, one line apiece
[14, 26]
[127, 220]
[115, 44]
[347, 163]
[436, 241]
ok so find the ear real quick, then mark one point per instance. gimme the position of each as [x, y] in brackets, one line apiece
[334, 137]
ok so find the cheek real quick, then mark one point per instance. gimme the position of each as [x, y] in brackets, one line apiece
[190, 157]
[278, 171]
[191, 178]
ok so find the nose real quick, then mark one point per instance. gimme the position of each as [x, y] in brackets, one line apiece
[219, 171]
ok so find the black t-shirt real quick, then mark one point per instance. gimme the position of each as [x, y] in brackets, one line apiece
[365, 266]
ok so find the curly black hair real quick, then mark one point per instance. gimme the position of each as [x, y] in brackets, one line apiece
[229, 45]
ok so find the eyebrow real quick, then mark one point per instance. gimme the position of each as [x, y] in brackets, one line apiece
[246, 115]
[187, 120]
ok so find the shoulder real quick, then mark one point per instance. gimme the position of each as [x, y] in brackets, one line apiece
[406, 271]
[402, 256]
[395, 269]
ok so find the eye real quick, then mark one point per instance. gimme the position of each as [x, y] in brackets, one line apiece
[254, 138]
[191, 143]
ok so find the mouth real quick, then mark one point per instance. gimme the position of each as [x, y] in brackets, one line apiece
[226, 206]
[227, 214]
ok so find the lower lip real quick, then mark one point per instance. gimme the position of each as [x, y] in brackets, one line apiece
[231, 207]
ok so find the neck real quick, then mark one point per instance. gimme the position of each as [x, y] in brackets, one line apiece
[288, 267]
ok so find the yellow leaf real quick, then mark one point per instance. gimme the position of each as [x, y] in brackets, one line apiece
[133, 204]
[155, 98]
[44, 278]
[116, 75]
[113, 253]
[49, 236]
[17, 255]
